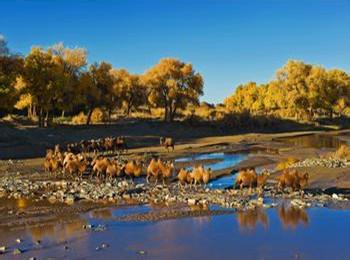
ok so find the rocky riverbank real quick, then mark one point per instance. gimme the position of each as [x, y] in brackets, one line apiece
[122, 191]
[327, 163]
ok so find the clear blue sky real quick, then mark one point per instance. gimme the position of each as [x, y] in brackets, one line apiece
[230, 42]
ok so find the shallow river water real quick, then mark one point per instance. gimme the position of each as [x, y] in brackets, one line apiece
[280, 233]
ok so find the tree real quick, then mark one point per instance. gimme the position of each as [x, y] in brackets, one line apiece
[69, 65]
[96, 87]
[292, 77]
[337, 92]
[10, 69]
[173, 85]
[39, 80]
[129, 89]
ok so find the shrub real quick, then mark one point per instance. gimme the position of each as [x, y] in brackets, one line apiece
[98, 116]
[79, 119]
[287, 163]
[343, 152]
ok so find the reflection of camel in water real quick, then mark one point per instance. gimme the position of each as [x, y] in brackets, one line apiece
[248, 219]
[59, 230]
[292, 216]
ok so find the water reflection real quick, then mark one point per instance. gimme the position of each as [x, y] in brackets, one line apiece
[101, 213]
[248, 219]
[315, 141]
[225, 160]
[57, 231]
[291, 217]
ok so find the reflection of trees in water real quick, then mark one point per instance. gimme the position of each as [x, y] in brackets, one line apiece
[291, 217]
[57, 230]
[316, 141]
[249, 218]
[203, 220]
[101, 213]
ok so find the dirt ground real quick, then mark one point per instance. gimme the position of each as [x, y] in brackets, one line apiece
[29, 144]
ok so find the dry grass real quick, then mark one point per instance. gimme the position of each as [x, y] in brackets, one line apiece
[343, 152]
[287, 163]
[97, 116]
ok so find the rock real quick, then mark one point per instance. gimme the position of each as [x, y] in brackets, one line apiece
[18, 240]
[141, 252]
[100, 228]
[52, 199]
[126, 196]
[89, 226]
[69, 199]
[203, 202]
[2, 249]
[32, 258]
[17, 251]
[335, 196]
[299, 203]
[104, 245]
[191, 202]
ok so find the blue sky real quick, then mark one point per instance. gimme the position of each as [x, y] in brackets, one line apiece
[229, 42]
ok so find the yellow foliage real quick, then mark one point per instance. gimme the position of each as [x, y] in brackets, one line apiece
[98, 116]
[343, 152]
[24, 101]
[285, 164]
[79, 119]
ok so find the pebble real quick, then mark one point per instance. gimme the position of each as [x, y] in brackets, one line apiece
[2, 249]
[328, 163]
[104, 245]
[17, 251]
[141, 252]
[191, 202]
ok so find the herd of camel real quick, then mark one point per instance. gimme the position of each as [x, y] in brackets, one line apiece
[75, 162]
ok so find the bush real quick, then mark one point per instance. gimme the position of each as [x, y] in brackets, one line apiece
[343, 152]
[79, 119]
[98, 116]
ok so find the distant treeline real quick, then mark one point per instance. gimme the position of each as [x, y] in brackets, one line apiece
[57, 81]
[299, 90]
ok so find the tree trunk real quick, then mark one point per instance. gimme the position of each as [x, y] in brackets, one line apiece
[40, 121]
[46, 122]
[62, 114]
[109, 115]
[89, 116]
[128, 109]
[29, 112]
[172, 114]
[34, 111]
[166, 113]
